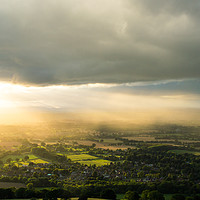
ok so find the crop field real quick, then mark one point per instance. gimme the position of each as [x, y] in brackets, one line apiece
[111, 141]
[141, 138]
[85, 142]
[98, 162]
[88, 159]
[39, 161]
[81, 157]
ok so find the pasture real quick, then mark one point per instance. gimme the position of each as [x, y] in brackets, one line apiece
[111, 141]
[22, 161]
[88, 159]
[97, 162]
[20, 157]
[80, 157]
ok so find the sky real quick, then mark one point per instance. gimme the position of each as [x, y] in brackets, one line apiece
[100, 55]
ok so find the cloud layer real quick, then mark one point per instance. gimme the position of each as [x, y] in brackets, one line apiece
[116, 41]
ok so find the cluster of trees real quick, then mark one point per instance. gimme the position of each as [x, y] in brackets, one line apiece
[22, 193]
[169, 187]
[168, 164]
[43, 152]
[14, 179]
[53, 193]
[105, 193]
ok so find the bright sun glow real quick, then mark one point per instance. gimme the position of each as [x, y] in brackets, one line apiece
[90, 96]
[6, 104]
[5, 100]
[19, 103]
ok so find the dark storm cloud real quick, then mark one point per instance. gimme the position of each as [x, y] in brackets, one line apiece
[105, 41]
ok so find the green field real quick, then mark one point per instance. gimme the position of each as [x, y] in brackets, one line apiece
[39, 161]
[185, 151]
[88, 159]
[81, 157]
[111, 141]
[14, 157]
[98, 162]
